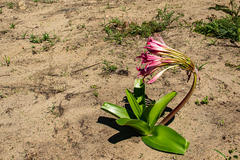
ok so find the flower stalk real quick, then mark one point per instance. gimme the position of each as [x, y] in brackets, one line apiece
[181, 104]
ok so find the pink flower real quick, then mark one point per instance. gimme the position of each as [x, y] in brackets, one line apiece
[158, 59]
[156, 47]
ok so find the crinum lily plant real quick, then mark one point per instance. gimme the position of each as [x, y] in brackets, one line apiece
[144, 118]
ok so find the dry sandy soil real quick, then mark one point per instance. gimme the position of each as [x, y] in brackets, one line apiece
[51, 95]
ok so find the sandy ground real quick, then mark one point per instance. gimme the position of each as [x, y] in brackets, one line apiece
[51, 95]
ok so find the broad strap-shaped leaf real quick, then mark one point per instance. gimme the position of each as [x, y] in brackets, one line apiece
[139, 92]
[117, 111]
[141, 126]
[152, 113]
[166, 139]
[137, 110]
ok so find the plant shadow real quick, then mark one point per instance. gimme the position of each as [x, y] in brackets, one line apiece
[125, 132]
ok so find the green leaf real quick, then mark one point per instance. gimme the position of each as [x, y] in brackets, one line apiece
[152, 113]
[220, 153]
[141, 126]
[166, 139]
[117, 111]
[139, 93]
[137, 110]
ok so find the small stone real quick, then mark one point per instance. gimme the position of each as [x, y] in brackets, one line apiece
[22, 5]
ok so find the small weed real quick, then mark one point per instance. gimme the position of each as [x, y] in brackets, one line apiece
[124, 9]
[232, 65]
[221, 122]
[65, 40]
[93, 86]
[1, 11]
[174, 70]
[205, 100]
[4, 31]
[108, 6]
[95, 93]
[2, 96]
[35, 0]
[24, 35]
[109, 68]
[7, 60]
[230, 152]
[34, 39]
[213, 42]
[201, 66]
[51, 108]
[197, 102]
[46, 37]
[12, 26]
[50, 1]
[10, 5]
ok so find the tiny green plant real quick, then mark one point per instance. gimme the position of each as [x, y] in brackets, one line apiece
[48, 1]
[231, 151]
[197, 102]
[95, 93]
[24, 35]
[109, 68]
[7, 60]
[65, 40]
[237, 67]
[213, 42]
[205, 100]
[34, 39]
[10, 5]
[46, 37]
[108, 6]
[221, 122]
[1, 11]
[51, 108]
[201, 66]
[2, 96]
[12, 26]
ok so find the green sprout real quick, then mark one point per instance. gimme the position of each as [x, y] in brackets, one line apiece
[7, 60]
[24, 35]
[205, 100]
[12, 26]
[10, 5]
[197, 102]
[230, 153]
[109, 68]
[2, 96]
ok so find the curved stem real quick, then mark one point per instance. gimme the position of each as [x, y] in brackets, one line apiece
[170, 115]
